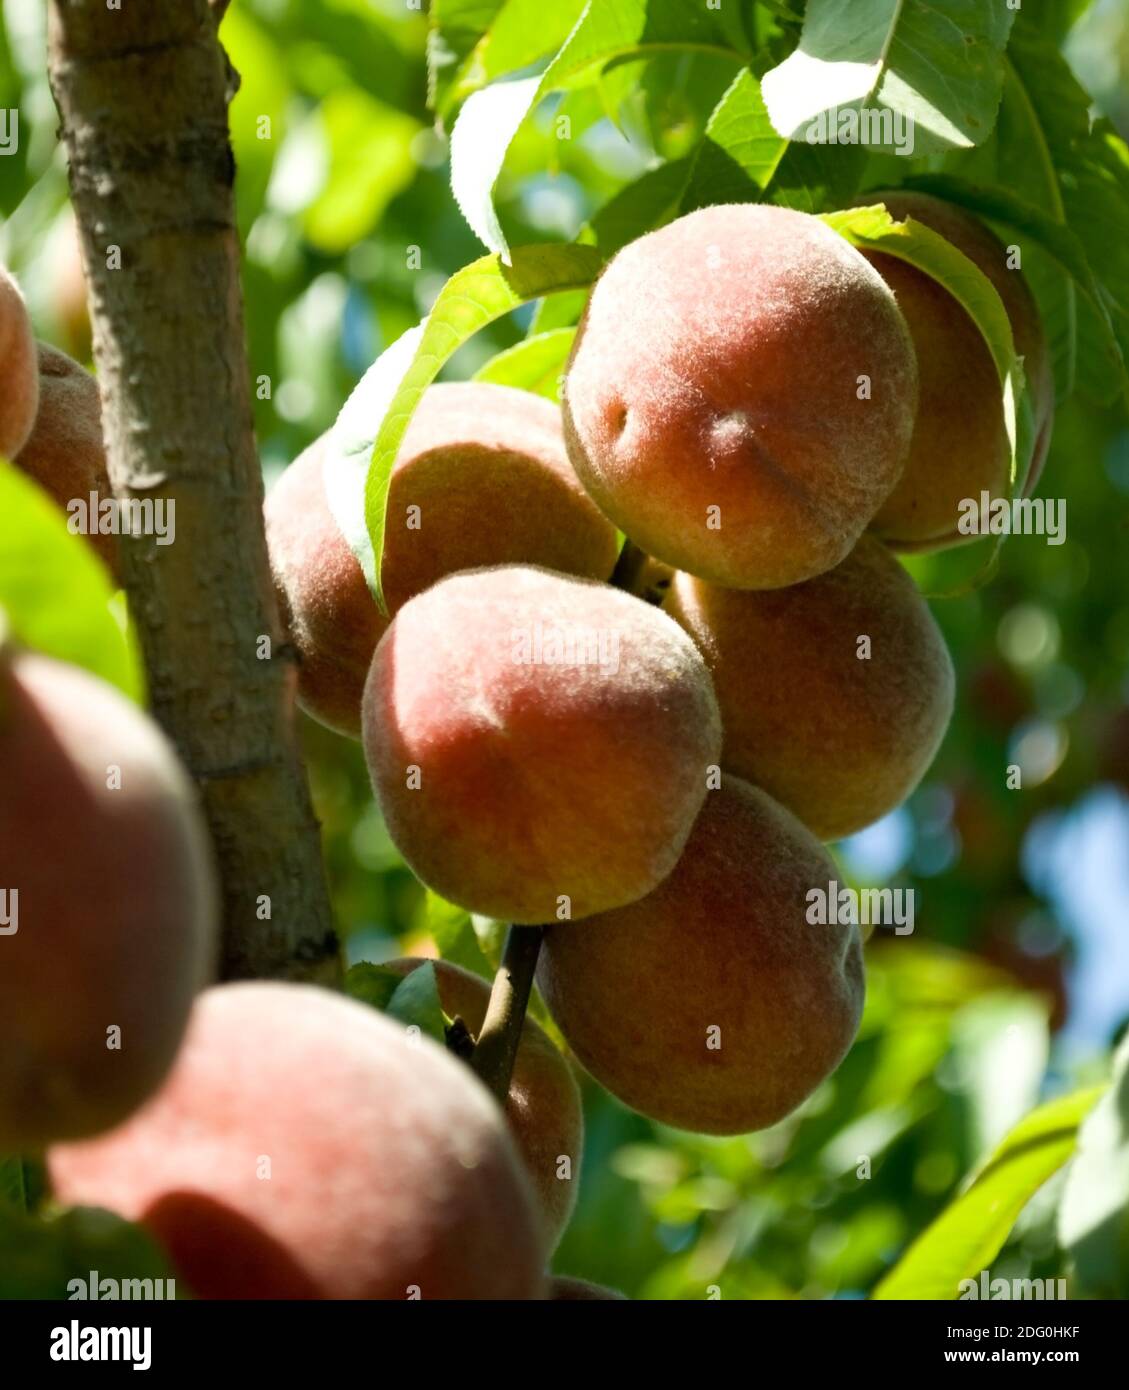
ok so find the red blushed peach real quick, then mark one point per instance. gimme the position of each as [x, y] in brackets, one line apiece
[65, 453]
[741, 395]
[19, 398]
[305, 1146]
[539, 745]
[106, 860]
[714, 1004]
[960, 446]
[834, 694]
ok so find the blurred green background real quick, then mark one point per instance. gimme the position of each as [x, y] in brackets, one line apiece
[1016, 981]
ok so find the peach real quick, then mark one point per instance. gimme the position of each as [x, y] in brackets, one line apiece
[741, 395]
[482, 478]
[65, 453]
[324, 599]
[834, 694]
[105, 859]
[307, 1147]
[19, 381]
[543, 1108]
[714, 1004]
[539, 745]
[960, 446]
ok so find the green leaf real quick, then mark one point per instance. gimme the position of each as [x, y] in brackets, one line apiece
[372, 984]
[362, 446]
[55, 593]
[1080, 172]
[415, 1003]
[483, 133]
[1058, 17]
[742, 159]
[368, 147]
[13, 1186]
[1094, 1215]
[520, 33]
[999, 1049]
[741, 151]
[524, 31]
[644, 204]
[347, 458]
[452, 930]
[456, 27]
[607, 31]
[818, 178]
[615, 29]
[970, 1232]
[412, 1000]
[558, 311]
[536, 364]
[39, 1258]
[938, 66]
[732, 18]
[491, 937]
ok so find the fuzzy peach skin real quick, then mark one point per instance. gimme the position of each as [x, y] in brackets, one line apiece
[713, 1005]
[718, 366]
[19, 380]
[838, 738]
[543, 1109]
[305, 1146]
[102, 842]
[539, 745]
[482, 478]
[960, 445]
[65, 452]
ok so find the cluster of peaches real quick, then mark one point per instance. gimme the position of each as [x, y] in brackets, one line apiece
[645, 750]
[642, 747]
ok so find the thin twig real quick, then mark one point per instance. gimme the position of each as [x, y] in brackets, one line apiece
[496, 1048]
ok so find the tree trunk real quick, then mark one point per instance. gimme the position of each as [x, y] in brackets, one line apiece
[143, 92]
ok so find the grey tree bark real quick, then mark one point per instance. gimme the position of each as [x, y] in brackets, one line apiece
[143, 91]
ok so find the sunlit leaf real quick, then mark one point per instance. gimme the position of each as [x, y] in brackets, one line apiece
[452, 929]
[366, 438]
[1000, 1046]
[940, 67]
[1094, 1215]
[370, 161]
[519, 33]
[536, 364]
[968, 1235]
[55, 594]
[608, 30]
[743, 159]
[39, 1259]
